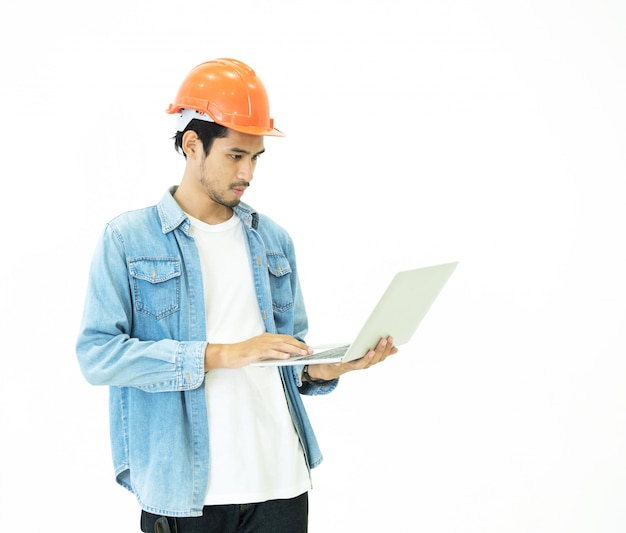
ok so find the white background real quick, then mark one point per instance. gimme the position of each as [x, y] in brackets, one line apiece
[488, 132]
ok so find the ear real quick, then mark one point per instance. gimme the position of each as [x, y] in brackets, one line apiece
[191, 144]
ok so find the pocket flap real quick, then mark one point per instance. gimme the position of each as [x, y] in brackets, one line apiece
[278, 265]
[154, 270]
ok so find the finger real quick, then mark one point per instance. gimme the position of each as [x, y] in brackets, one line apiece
[291, 346]
[274, 346]
[364, 362]
[389, 348]
[295, 346]
[381, 351]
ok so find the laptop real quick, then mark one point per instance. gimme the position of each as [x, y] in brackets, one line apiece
[398, 313]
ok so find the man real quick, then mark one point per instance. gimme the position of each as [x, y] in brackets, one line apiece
[182, 298]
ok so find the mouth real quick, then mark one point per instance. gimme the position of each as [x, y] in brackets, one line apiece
[239, 188]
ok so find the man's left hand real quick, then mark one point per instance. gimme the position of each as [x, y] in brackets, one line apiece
[329, 371]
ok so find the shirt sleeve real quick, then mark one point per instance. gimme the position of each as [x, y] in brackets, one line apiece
[107, 351]
[312, 389]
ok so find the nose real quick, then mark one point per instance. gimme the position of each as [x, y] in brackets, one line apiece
[245, 171]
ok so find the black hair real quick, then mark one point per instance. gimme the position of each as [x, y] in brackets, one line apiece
[206, 131]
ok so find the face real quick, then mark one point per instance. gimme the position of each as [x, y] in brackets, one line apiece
[227, 171]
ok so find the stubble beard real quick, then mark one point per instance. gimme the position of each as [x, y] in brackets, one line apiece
[216, 196]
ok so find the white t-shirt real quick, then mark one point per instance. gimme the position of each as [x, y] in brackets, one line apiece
[255, 453]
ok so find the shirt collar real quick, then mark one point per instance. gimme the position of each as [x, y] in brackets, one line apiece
[172, 216]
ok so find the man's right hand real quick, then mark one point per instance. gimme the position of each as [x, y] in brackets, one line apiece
[265, 346]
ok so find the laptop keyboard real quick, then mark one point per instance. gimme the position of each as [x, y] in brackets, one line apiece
[326, 354]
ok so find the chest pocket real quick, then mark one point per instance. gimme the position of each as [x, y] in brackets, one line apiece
[280, 282]
[155, 285]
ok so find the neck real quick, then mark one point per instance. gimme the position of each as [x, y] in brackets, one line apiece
[198, 205]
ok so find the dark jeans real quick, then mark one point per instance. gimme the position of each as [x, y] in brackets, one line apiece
[273, 516]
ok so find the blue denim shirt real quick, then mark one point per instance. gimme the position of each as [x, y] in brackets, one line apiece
[143, 334]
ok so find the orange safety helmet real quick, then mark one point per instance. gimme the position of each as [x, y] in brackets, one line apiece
[228, 92]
